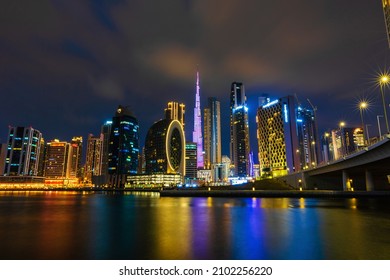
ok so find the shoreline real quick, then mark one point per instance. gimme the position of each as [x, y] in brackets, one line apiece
[225, 193]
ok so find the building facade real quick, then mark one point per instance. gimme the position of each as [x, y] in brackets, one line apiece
[23, 151]
[197, 133]
[57, 159]
[106, 132]
[165, 148]
[277, 138]
[75, 155]
[93, 164]
[239, 131]
[176, 111]
[212, 133]
[191, 167]
[123, 147]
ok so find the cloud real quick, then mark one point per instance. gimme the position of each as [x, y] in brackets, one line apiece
[107, 87]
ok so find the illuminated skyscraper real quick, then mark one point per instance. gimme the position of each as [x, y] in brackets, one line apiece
[93, 165]
[106, 131]
[197, 133]
[308, 141]
[23, 151]
[287, 137]
[75, 154]
[239, 131]
[165, 148]
[212, 133]
[123, 147]
[191, 169]
[3, 154]
[386, 13]
[57, 159]
[175, 111]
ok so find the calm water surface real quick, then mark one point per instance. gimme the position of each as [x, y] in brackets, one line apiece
[72, 225]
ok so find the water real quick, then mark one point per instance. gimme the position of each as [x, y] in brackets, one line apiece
[73, 225]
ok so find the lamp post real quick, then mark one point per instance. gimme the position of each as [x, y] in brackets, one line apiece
[384, 80]
[379, 126]
[367, 133]
[341, 126]
[363, 105]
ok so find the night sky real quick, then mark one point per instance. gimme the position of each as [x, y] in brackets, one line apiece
[65, 66]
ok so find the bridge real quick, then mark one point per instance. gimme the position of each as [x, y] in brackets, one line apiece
[367, 169]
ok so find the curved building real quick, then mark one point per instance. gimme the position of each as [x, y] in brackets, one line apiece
[165, 148]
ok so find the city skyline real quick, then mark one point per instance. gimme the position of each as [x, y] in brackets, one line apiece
[76, 78]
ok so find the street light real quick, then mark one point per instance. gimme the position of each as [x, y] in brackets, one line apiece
[363, 105]
[384, 81]
[341, 126]
[379, 125]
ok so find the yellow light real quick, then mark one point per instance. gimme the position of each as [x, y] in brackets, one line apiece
[342, 124]
[363, 105]
[384, 79]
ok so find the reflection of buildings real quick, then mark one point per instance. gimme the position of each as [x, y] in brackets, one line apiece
[123, 147]
[286, 137]
[23, 151]
[239, 131]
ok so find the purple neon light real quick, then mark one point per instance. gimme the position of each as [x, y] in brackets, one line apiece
[197, 133]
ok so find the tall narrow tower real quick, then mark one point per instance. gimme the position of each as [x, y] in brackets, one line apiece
[197, 133]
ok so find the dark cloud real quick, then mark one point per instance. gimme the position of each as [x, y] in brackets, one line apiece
[86, 57]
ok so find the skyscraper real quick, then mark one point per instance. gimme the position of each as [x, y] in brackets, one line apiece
[57, 159]
[287, 137]
[239, 131]
[106, 131]
[212, 133]
[191, 168]
[165, 148]
[307, 137]
[23, 151]
[123, 147]
[197, 133]
[75, 154]
[386, 13]
[175, 111]
[93, 165]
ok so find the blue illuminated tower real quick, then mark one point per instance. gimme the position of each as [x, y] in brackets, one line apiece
[123, 147]
[239, 131]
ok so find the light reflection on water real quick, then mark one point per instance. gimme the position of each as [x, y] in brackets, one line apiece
[98, 225]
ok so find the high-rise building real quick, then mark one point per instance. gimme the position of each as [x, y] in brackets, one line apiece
[106, 131]
[57, 159]
[277, 137]
[239, 131]
[123, 147]
[93, 165]
[307, 138]
[75, 154]
[386, 13]
[175, 111]
[197, 133]
[23, 151]
[3, 154]
[212, 133]
[191, 167]
[165, 148]
[346, 140]
[42, 158]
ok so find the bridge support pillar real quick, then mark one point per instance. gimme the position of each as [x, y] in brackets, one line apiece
[346, 181]
[369, 181]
